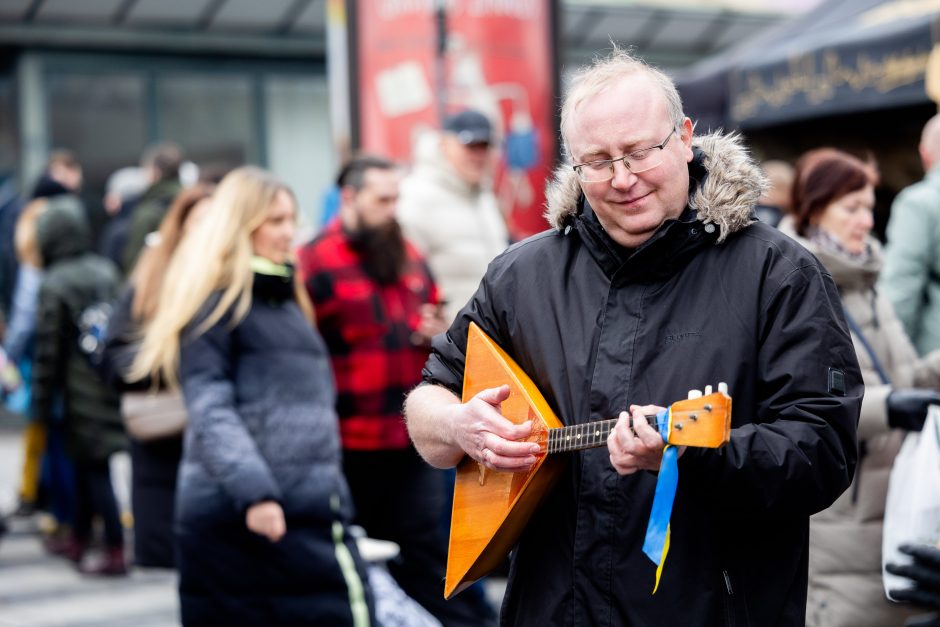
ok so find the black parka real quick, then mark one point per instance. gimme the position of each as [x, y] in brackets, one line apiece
[262, 426]
[711, 297]
[75, 279]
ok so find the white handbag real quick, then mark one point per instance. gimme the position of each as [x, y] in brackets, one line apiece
[153, 415]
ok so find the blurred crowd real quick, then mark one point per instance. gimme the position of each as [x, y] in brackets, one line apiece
[257, 382]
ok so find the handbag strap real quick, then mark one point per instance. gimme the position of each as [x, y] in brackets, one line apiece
[857, 330]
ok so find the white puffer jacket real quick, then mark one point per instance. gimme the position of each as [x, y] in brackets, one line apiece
[456, 226]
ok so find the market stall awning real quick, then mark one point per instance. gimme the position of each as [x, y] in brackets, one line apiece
[845, 56]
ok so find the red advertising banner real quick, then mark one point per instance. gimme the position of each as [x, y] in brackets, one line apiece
[499, 59]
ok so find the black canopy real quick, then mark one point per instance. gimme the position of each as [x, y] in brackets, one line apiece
[845, 56]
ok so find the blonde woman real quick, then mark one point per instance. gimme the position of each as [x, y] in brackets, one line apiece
[262, 506]
[156, 460]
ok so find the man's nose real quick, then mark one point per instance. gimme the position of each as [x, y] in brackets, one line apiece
[623, 175]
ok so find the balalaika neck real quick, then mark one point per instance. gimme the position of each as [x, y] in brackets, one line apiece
[585, 436]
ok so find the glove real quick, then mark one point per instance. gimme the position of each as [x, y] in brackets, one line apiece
[907, 408]
[924, 572]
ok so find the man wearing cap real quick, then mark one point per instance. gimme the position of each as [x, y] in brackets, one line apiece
[448, 210]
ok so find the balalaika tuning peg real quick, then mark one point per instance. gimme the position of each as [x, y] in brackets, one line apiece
[708, 390]
[693, 394]
[723, 387]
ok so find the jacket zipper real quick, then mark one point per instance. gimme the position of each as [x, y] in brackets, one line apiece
[729, 601]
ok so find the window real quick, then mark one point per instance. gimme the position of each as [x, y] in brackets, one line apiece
[9, 142]
[211, 116]
[299, 147]
[102, 118]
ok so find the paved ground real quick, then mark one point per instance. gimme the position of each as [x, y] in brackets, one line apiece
[38, 590]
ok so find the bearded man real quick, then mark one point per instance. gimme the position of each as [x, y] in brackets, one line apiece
[377, 307]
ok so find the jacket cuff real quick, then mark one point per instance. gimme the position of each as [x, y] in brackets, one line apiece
[249, 491]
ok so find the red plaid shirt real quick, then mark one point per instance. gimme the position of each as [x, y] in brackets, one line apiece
[368, 329]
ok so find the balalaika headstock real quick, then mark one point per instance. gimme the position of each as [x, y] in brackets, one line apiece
[703, 419]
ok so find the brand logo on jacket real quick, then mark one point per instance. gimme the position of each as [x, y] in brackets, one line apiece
[676, 338]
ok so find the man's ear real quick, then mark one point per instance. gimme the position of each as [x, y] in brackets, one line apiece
[685, 136]
[686, 129]
[925, 158]
[347, 194]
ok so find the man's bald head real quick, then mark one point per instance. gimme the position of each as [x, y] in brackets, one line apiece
[930, 142]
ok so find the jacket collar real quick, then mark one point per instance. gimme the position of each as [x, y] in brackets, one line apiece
[661, 256]
[933, 174]
[272, 283]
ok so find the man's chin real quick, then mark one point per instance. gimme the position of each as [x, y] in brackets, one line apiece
[635, 232]
[472, 178]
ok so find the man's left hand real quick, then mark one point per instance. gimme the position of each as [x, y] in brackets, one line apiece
[639, 448]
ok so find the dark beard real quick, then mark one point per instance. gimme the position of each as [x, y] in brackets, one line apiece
[382, 250]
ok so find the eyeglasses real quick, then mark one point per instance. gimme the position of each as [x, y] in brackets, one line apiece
[637, 161]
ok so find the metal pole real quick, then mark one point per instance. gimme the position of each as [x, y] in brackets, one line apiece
[440, 65]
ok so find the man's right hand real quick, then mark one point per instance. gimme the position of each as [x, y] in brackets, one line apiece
[484, 434]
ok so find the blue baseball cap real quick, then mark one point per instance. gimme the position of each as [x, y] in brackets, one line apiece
[470, 127]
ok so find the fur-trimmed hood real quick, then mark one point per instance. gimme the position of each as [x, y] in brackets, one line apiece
[726, 197]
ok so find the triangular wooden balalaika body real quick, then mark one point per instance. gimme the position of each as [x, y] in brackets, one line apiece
[492, 508]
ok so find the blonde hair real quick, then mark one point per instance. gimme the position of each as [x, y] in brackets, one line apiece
[588, 81]
[214, 257]
[25, 238]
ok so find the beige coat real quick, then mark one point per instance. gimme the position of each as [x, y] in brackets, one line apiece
[845, 586]
[456, 226]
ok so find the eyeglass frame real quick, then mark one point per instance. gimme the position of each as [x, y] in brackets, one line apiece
[625, 159]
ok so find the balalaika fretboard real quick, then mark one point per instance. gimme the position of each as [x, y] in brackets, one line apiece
[584, 436]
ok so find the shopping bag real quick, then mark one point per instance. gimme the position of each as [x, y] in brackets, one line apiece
[912, 510]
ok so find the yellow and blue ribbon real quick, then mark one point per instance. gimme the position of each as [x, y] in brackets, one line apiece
[656, 544]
